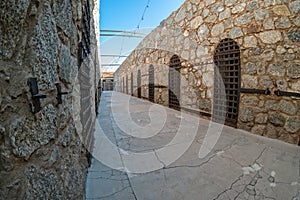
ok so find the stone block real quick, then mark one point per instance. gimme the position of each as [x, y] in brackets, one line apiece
[235, 33]
[294, 35]
[68, 68]
[268, 24]
[295, 7]
[270, 37]
[277, 119]
[204, 104]
[217, 29]
[211, 18]
[42, 184]
[283, 23]
[282, 84]
[12, 18]
[196, 22]
[27, 135]
[271, 104]
[250, 100]
[277, 69]
[230, 2]
[281, 10]
[293, 70]
[271, 131]
[217, 7]
[238, 8]
[297, 21]
[261, 118]
[180, 15]
[261, 14]
[44, 45]
[287, 107]
[258, 129]
[209, 2]
[292, 125]
[249, 81]
[246, 114]
[250, 41]
[225, 14]
[243, 19]
[252, 5]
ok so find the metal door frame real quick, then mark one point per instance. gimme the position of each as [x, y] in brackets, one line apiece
[227, 63]
[151, 83]
[174, 82]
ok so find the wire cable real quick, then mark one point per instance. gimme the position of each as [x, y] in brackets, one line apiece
[143, 16]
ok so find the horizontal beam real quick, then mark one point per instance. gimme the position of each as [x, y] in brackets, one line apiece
[120, 31]
[113, 56]
[120, 35]
[110, 64]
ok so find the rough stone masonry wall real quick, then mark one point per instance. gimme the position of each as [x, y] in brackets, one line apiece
[268, 36]
[42, 155]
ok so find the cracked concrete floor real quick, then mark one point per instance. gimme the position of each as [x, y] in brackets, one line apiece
[239, 166]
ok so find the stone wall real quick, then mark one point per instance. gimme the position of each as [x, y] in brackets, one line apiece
[268, 36]
[43, 153]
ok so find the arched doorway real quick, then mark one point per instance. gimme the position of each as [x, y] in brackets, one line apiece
[123, 90]
[174, 82]
[131, 85]
[151, 83]
[126, 84]
[227, 62]
[139, 84]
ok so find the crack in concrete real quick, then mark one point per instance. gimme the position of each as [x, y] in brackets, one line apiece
[110, 179]
[215, 153]
[250, 187]
[230, 188]
[159, 160]
[109, 195]
[296, 195]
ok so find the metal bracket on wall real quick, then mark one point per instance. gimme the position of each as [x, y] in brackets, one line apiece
[59, 93]
[287, 94]
[35, 96]
[255, 91]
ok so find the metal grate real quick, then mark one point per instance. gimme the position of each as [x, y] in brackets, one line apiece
[126, 84]
[151, 83]
[123, 85]
[227, 62]
[139, 83]
[131, 86]
[174, 82]
[84, 79]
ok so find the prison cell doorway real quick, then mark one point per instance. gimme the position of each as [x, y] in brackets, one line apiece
[151, 83]
[126, 84]
[131, 85]
[227, 72]
[139, 84]
[174, 82]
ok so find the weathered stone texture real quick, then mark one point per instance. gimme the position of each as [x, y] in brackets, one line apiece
[12, 15]
[267, 33]
[41, 154]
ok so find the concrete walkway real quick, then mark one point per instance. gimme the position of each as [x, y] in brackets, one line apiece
[150, 152]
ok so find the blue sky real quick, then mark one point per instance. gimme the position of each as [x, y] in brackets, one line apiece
[126, 15]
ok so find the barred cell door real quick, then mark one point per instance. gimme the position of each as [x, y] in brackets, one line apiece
[151, 83]
[227, 63]
[174, 82]
[123, 85]
[139, 83]
[126, 84]
[131, 86]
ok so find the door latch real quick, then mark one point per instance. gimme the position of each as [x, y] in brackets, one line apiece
[35, 96]
[59, 93]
